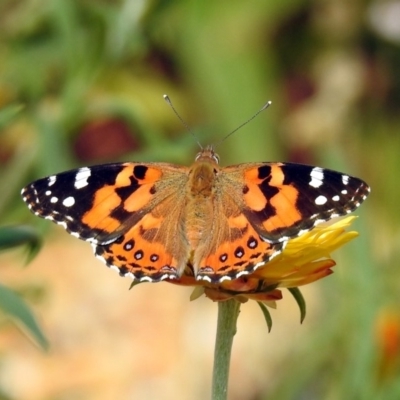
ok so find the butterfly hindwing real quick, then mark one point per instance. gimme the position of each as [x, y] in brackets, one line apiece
[240, 256]
[135, 257]
[155, 248]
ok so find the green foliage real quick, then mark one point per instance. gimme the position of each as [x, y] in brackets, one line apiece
[13, 236]
[296, 293]
[267, 315]
[16, 308]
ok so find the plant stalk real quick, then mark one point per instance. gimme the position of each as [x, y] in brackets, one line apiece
[228, 312]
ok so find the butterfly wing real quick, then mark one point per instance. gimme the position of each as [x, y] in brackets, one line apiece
[284, 200]
[104, 205]
[263, 205]
[233, 247]
[155, 248]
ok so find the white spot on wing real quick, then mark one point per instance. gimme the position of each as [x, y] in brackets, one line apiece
[317, 177]
[81, 178]
[52, 180]
[48, 192]
[69, 201]
[241, 273]
[336, 198]
[303, 231]
[345, 179]
[63, 224]
[320, 200]
[260, 264]
[54, 199]
[113, 267]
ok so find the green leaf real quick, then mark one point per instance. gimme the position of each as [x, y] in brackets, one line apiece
[18, 310]
[4, 395]
[13, 236]
[267, 315]
[296, 293]
[133, 284]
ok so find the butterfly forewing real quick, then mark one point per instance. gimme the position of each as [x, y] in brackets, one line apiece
[99, 203]
[284, 200]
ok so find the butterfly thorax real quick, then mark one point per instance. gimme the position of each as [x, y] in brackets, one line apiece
[200, 196]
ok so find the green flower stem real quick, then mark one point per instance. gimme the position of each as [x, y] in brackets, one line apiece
[228, 312]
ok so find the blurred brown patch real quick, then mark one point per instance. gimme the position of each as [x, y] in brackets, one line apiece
[104, 139]
[298, 88]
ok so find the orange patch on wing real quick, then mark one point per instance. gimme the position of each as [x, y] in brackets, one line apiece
[251, 175]
[284, 202]
[254, 198]
[285, 206]
[105, 201]
[149, 222]
[123, 178]
[140, 198]
[277, 176]
[238, 222]
[152, 175]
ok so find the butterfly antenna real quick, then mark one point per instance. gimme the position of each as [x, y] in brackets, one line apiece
[168, 100]
[264, 107]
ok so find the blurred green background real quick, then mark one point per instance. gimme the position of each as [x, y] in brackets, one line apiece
[81, 82]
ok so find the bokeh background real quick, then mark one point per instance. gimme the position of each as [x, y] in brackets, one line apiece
[81, 82]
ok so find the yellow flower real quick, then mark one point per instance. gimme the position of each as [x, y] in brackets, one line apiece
[305, 259]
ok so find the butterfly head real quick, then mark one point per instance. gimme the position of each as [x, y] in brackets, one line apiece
[207, 154]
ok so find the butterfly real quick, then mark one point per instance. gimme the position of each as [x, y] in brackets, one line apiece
[155, 221]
